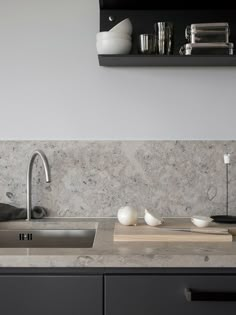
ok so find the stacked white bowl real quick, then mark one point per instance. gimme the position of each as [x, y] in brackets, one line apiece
[116, 41]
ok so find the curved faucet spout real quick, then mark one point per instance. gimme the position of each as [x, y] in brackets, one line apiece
[44, 159]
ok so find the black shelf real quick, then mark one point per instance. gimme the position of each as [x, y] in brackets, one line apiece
[157, 5]
[143, 18]
[166, 61]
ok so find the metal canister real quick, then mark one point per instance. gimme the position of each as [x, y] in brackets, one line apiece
[208, 32]
[164, 33]
[207, 49]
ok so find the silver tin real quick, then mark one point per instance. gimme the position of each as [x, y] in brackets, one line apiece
[208, 32]
[207, 49]
[147, 44]
[164, 32]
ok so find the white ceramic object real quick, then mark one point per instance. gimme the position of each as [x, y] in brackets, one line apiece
[227, 158]
[127, 215]
[124, 26]
[112, 35]
[201, 221]
[116, 46]
[152, 220]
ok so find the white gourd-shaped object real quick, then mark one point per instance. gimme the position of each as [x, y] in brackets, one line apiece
[127, 215]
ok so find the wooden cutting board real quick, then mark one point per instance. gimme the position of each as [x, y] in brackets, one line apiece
[145, 233]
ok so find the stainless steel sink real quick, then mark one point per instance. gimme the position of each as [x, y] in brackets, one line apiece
[47, 238]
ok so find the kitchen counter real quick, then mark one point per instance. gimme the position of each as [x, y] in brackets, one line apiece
[106, 253]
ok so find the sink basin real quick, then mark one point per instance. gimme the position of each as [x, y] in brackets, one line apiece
[47, 238]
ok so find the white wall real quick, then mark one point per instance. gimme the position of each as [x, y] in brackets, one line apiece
[51, 86]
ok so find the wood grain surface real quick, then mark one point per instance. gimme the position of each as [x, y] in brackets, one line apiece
[163, 233]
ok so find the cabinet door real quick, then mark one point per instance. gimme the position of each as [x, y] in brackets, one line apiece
[170, 295]
[51, 295]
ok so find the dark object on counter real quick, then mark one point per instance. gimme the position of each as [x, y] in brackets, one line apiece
[8, 212]
[224, 219]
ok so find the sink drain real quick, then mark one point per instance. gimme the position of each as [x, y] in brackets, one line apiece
[25, 237]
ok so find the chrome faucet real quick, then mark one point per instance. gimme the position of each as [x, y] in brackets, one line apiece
[29, 178]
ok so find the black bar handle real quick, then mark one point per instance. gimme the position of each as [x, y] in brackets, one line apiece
[207, 296]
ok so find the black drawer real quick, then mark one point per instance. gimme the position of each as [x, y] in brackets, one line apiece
[50, 295]
[170, 294]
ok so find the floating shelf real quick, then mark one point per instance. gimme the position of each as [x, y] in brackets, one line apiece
[167, 61]
[157, 5]
[144, 14]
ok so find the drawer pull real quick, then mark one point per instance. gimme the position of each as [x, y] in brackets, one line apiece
[197, 295]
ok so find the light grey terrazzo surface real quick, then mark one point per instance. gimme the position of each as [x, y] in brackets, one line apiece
[106, 253]
[94, 179]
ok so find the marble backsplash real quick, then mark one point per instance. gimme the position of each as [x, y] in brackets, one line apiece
[95, 178]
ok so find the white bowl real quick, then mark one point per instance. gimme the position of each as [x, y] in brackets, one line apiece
[116, 46]
[124, 26]
[112, 35]
[152, 220]
[201, 221]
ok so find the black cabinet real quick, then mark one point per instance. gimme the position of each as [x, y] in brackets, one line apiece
[51, 295]
[170, 294]
[116, 291]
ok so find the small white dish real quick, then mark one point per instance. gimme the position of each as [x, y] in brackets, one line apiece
[201, 221]
[124, 26]
[151, 220]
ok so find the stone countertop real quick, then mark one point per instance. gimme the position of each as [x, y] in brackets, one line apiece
[105, 253]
